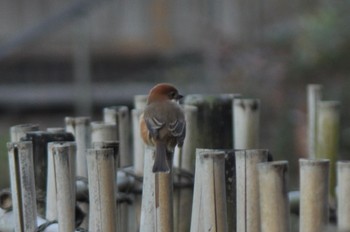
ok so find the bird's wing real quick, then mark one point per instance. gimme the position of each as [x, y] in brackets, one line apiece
[178, 130]
[153, 125]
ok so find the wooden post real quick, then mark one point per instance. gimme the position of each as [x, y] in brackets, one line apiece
[314, 94]
[164, 202]
[246, 118]
[314, 182]
[22, 185]
[248, 212]
[119, 115]
[273, 194]
[81, 129]
[138, 145]
[19, 131]
[40, 139]
[101, 131]
[185, 161]
[215, 117]
[102, 190]
[343, 193]
[209, 199]
[140, 101]
[328, 139]
[64, 166]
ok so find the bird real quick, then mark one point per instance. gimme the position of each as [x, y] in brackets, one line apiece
[163, 124]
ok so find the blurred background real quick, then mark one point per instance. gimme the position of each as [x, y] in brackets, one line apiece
[72, 58]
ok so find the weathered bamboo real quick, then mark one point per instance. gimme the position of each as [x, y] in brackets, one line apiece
[119, 115]
[248, 212]
[138, 145]
[64, 166]
[185, 161]
[314, 182]
[273, 194]
[101, 131]
[314, 95]
[102, 190]
[22, 185]
[19, 131]
[81, 129]
[56, 129]
[140, 101]
[328, 139]
[209, 200]
[343, 193]
[51, 192]
[215, 117]
[164, 202]
[230, 183]
[246, 118]
[148, 212]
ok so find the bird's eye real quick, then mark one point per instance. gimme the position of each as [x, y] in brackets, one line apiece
[172, 94]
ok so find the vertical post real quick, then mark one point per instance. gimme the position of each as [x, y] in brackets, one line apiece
[273, 193]
[51, 191]
[102, 190]
[343, 203]
[148, 213]
[215, 118]
[22, 185]
[328, 139]
[246, 118]
[164, 202]
[119, 115]
[209, 200]
[101, 131]
[19, 131]
[314, 93]
[138, 144]
[231, 196]
[81, 129]
[314, 182]
[185, 161]
[248, 212]
[64, 166]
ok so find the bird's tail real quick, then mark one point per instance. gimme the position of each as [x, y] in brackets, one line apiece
[160, 161]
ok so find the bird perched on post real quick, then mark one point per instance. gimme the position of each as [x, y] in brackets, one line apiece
[163, 124]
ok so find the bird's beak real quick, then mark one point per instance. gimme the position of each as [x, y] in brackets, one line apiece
[179, 96]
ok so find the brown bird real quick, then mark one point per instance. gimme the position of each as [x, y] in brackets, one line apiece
[163, 124]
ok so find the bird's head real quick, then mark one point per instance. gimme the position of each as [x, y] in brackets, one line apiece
[163, 91]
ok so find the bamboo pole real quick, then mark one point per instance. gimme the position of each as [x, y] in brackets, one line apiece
[230, 183]
[246, 120]
[148, 213]
[314, 182]
[119, 115]
[164, 202]
[314, 95]
[328, 139]
[184, 159]
[273, 194]
[209, 200]
[22, 185]
[248, 216]
[64, 166]
[215, 117]
[102, 190]
[140, 101]
[138, 145]
[19, 131]
[101, 131]
[343, 190]
[81, 129]
[51, 192]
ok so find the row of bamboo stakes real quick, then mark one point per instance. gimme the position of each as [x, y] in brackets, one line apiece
[238, 189]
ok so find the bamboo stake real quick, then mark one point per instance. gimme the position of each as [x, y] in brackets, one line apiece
[215, 118]
[314, 95]
[101, 131]
[328, 139]
[184, 159]
[22, 185]
[248, 216]
[246, 123]
[230, 183]
[209, 200]
[314, 182]
[138, 144]
[51, 197]
[140, 101]
[148, 213]
[81, 129]
[273, 194]
[19, 131]
[119, 115]
[164, 202]
[64, 166]
[102, 190]
[343, 190]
